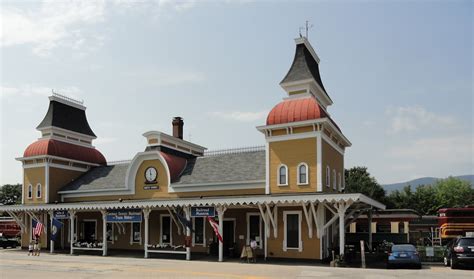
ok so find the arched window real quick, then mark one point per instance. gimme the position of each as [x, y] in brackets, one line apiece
[30, 191]
[328, 176]
[283, 175]
[38, 190]
[334, 180]
[302, 174]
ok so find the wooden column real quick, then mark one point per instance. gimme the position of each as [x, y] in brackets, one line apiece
[71, 228]
[220, 214]
[51, 242]
[188, 233]
[104, 232]
[146, 215]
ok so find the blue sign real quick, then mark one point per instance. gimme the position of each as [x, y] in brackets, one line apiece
[203, 211]
[61, 214]
[124, 216]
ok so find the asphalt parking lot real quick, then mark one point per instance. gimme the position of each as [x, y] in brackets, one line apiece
[15, 263]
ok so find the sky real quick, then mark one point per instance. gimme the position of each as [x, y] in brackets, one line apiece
[400, 74]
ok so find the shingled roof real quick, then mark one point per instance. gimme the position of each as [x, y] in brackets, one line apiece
[225, 168]
[66, 117]
[304, 67]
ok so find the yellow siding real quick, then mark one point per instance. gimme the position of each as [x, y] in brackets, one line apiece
[304, 129]
[34, 176]
[59, 178]
[279, 132]
[334, 160]
[292, 153]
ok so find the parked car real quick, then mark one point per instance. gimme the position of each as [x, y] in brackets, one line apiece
[5, 242]
[460, 253]
[403, 255]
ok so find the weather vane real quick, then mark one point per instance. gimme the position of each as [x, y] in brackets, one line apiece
[306, 28]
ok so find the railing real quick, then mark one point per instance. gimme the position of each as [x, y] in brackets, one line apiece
[69, 99]
[235, 150]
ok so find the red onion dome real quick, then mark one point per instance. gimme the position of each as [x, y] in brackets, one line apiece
[294, 110]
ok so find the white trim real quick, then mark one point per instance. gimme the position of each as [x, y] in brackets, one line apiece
[286, 175]
[319, 164]
[203, 244]
[260, 244]
[334, 179]
[161, 229]
[53, 157]
[192, 148]
[300, 241]
[66, 102]
[137, 162]
[82, 227]
[38, 187]
[29, 194]
[332, 144]
[267, 168]
[328, 176]
[46, 185]
[50, 129]
[298, 174]
[131, 233]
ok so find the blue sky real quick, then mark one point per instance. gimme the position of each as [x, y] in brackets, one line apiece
[399, 73]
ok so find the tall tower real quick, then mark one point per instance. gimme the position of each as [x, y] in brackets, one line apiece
[305, 148]
[63, 152]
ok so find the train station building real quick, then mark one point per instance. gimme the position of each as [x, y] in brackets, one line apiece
[176, 197]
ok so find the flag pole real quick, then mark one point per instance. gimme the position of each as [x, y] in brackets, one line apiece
[51, 241]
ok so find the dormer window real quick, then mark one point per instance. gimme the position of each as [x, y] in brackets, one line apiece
[38, 190]
[283, 175]
[30, 191]
[302, 174]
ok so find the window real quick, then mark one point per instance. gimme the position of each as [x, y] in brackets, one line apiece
[302, 174]
[30, 191]
[110, 232]
[254, 228]
[292, 237]
[165, 231]
[199, 231]
[340, 181]
[334, 181]
[38, 190]
[328, 176]
[136, 236]
[282, 175]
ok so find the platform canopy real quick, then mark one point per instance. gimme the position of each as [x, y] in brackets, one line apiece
[227, 201]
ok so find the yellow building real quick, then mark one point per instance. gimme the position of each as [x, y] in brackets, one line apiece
[285, 197]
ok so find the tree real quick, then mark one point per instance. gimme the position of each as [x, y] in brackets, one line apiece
[10, 194]
[358, 180]
[453, 192]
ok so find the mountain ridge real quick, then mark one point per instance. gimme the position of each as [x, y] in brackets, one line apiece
[414, 183]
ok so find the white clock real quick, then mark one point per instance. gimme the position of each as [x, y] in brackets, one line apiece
[150, 174]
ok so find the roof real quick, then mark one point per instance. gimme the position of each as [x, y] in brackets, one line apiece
[304, 67]
[294, 110]
[244, 166]
[66, 117]
[238, 167]
[280, 199]
[65, 150]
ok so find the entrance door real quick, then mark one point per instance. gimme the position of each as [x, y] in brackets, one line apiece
[229, 238]
[89, 231]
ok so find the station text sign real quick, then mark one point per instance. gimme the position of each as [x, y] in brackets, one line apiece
[203, 211]
[61, 214]
[124, 216]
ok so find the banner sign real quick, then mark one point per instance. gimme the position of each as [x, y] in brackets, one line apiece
[124, 216]
[203, 211]
[61, 214]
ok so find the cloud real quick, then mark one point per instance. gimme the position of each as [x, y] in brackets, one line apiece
[32, 90]
[51, 25]
[176, 4]
[167, 78]
[104, 140]
[415, 118]
[241, 116]
[456, 149]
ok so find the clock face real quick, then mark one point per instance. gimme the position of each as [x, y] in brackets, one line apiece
[151, 174]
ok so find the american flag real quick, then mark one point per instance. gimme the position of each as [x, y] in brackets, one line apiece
[215, 226]
[38, 229]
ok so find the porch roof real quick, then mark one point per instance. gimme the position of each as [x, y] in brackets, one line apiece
[286, 199]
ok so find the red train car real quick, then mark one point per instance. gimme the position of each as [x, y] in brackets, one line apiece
[8, 227]
[454, 222]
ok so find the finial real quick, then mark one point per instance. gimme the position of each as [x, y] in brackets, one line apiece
[306, 28]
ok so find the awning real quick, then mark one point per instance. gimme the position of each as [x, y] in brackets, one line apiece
[228, 201]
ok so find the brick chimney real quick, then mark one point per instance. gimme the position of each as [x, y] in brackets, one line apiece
[178, 127]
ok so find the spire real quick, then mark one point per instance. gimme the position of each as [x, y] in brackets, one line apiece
[304, 75]
[67, 114]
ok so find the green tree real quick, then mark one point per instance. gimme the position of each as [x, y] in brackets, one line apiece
[10, 194]
[358, 180]
[453, 192]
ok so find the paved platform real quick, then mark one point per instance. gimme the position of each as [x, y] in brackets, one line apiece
[17, 264]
